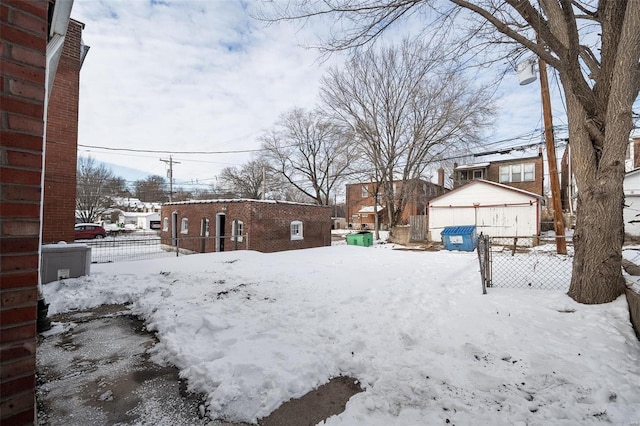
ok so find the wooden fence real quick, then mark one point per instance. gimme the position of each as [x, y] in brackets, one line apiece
[419, 228]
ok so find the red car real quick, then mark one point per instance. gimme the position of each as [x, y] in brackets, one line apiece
[86, 231]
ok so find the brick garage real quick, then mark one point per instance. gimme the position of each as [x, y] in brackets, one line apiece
[267, 226]
[23, 42]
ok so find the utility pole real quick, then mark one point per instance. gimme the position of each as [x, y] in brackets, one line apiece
[264, 183]
[558, 222]
[170, 162]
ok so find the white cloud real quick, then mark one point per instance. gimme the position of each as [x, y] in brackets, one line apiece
[186, 76]
[205, 76]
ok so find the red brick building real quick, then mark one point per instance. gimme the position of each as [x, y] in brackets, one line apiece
[23, 43]
[361, 197]
[267, 226]
[29, 31]
[59, 208]
[522, 173]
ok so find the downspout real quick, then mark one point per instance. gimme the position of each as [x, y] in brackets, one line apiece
[538, 209]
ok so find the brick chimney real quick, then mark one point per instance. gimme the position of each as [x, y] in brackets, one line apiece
[441, 177]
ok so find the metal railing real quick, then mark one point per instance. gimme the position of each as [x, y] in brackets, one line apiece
[524, 262]
[123, 249]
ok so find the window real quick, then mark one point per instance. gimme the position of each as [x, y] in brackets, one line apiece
[517, 173]
[237, 229]
[505, 174]
[205, 227]
[365, 191]
[165, 224]
[477, 174]
[463, 175]
[529, 172]
[184, 229]
[296, 230]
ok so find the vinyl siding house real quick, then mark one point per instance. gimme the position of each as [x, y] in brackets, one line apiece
[631, 212]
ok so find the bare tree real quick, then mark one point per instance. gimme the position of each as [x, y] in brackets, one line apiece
[117, 187]
[406, 107]
[595, 48]
[92, 181]
[310, 152]
[152, 188]
[250, 180]
[181, 194]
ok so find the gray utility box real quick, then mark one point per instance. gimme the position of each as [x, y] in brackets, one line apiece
[61, 261]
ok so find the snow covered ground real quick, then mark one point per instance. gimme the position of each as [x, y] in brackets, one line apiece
[252, 330]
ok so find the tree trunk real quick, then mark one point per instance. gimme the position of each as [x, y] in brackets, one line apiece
[599, 233]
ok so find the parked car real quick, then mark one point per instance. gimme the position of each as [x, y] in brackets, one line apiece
[85, 231]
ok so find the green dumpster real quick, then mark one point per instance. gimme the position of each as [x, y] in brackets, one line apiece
[363, 238]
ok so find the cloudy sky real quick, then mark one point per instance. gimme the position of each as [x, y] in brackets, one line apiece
[205, 76]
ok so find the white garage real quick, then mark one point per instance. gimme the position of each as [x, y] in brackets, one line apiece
[495, 209]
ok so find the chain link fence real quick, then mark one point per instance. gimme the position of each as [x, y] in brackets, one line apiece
[524, 262]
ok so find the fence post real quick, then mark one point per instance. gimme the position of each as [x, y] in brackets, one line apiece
[488, 272]
[483, 251]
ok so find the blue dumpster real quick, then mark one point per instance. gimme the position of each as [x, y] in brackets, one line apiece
[462, 238]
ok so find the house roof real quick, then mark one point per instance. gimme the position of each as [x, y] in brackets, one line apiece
[137, 214]
[239, 200]
[487, 182]
[395, 181]
[495, 158]
[370, 209]
[472, 166]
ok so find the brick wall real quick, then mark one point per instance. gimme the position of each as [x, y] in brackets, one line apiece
[536, 186]
[266, 224]
[62, 143]
[23, 38]
[416, 202]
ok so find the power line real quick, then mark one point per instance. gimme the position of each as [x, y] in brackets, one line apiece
[240, 151]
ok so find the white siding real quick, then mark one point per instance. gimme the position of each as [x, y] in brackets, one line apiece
[495, 210]
[632, 204]
[144, 221]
